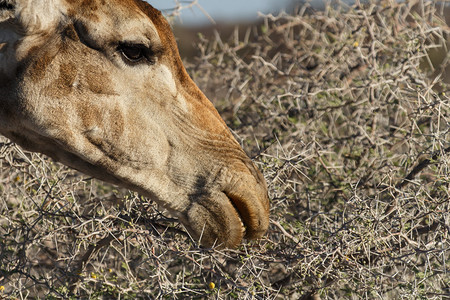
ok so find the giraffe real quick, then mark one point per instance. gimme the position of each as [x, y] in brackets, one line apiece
[99, 86]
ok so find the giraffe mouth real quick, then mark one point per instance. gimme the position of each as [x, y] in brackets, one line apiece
[249, 213]
[234, 203]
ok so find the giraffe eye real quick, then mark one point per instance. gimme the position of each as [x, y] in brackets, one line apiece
[7, 5]
[133, 53]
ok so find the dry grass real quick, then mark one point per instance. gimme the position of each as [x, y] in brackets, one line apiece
[352, 137]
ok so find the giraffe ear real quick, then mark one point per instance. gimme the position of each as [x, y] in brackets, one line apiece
[71, 33]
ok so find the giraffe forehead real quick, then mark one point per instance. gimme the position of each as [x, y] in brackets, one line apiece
[120, 15]
[119, 20]
[117, 11]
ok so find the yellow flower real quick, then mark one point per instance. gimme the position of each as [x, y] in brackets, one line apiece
[93, 275]
[355, 44]
[2, 288]
[212, 285]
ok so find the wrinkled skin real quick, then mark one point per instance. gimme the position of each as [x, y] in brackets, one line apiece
[99, 86]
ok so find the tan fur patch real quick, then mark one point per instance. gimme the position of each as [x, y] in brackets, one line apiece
[63, 85]
[90, 115]
[117, 123]
[90, 7]
[98, 81]
[39, 67]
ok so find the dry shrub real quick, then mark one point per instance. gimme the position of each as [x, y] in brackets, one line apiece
[353, 139]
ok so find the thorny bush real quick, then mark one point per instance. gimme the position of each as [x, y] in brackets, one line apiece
[337, 108]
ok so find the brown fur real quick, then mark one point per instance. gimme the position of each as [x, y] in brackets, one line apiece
[40, 65]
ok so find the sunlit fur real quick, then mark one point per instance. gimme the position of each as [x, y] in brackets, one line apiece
[67, 91]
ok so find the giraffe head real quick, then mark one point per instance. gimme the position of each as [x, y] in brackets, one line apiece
[99, 86]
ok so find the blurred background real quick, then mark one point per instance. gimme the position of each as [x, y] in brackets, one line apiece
[194, 20]
[194, 13]
[202, 12]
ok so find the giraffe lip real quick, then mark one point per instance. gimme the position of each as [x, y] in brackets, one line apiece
[251, 207]
[234, 202]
